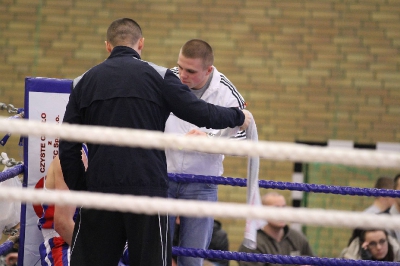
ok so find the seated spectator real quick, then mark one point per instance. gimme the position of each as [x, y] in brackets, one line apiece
[395, 209]
[277, 237]
[373, 244]
[382, 204]
[10, 258]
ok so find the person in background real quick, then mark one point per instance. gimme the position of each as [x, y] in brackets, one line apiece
[374, 244]
[382, 204]
[55, 248]
[10, 258]
[395, 209]
[56, 222]
[125, 91]
[276, 237]
[195, 69]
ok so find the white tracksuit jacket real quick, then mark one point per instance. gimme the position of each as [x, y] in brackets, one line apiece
[220, 92]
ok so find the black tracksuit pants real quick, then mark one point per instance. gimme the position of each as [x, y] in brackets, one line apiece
[100, 236]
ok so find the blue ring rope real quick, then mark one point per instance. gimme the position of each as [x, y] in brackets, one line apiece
[6, 246]
[242, 182]
[11, 172]
[252, 257]
[268, 258]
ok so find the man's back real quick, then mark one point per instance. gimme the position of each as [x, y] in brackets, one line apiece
[117, 99]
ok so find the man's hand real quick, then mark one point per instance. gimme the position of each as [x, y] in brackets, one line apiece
[11, 258]
[196, 132]
[248, 117]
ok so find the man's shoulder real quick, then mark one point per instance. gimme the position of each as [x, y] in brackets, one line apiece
[393, 210]
[372, 209]
[293, 233]
[222, 83]
[76, 80]
[221, 78]
[145, 66]
[162, 71]
[175, 70]
[227, 90]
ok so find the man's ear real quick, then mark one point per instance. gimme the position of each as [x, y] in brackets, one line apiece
[209, 70]
[108, 46]
[141, 44]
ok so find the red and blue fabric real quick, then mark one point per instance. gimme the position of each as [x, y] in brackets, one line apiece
[54, 252]
[47, 219]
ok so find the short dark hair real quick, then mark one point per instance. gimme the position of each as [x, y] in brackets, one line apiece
[124, 31]
[384, 182]
[197, 48]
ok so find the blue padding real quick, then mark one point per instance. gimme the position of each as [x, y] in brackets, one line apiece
[48, 85]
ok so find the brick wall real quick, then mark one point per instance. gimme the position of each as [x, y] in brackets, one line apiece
[310, 70]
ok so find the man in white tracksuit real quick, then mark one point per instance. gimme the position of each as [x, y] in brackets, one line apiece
[195, 69]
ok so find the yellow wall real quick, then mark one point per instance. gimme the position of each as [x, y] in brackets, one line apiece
[309, 70]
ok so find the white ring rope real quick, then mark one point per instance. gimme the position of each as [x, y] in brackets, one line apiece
[159, 140]
[279, 151]
[192, 208]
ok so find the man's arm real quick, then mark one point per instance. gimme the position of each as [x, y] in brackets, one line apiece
[70, 152]
[233, 99]
[63, 215]
[63, 221]
[185, 105]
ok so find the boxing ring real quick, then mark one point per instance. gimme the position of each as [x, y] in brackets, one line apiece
[44, 130]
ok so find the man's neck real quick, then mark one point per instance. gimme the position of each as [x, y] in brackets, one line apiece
[397, 207]
[382, 204]
[275, 233]
[199, 92]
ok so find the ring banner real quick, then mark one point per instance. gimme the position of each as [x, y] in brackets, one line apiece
[45, 100]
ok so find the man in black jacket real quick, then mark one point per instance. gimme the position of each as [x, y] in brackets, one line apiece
[124, 91]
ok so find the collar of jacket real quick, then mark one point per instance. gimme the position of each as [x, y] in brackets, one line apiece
[123, 51]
